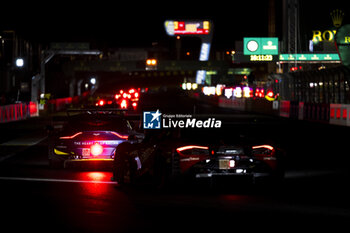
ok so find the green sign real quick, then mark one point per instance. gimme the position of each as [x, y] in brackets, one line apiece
[260, 46]
[309, 57]
[343, 43]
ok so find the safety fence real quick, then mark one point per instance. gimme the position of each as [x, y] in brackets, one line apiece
[55, 105]
[337, 114]
[19, 111]
[22, 111]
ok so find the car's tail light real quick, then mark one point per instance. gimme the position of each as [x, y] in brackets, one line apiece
[123, 104]
[119, 135]
[101, 102]
[263, 150]
[71, 137]
[96, 149]
[193, 150]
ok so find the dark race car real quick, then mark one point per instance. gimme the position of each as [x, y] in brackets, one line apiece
[174, 155]
[89, 135]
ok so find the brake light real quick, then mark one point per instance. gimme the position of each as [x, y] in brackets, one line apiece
[263, 146]
[96, 149]
[270, 94]
[191, 147]
[120, 136]
[71, 137]
[101, 102]
[263, 151]
[123, 104]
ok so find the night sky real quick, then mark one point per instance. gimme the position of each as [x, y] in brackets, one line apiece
[134, 24]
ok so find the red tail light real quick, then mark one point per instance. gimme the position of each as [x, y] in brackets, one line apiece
[71, 137]
[263, 150]
[96, 149]
[191, 147]
[120, 136]
[123, 104]
[101, 102]
[263, 146]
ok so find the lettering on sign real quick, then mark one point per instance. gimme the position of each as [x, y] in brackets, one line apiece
[318, 36]
[261, 57]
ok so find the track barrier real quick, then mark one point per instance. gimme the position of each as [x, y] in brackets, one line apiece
[337, 114]
[20, 111]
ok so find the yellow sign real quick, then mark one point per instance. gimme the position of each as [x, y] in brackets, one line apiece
[318, 36]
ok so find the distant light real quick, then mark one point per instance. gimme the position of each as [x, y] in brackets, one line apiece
[101, 102]
[93, 81]
[151, 62]
[19, 62]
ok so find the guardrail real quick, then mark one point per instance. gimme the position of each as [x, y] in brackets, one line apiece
[20, 111]
[337, 114]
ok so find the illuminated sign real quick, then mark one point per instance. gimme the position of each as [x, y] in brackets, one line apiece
[260, 46]
[205, 50]
[329, 35]
[309, 57]
[198, 28]
[343, 43]
[261, 57]
[318, 36]
[187, 27]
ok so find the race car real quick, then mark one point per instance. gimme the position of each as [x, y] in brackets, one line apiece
[124, 99]
[89, 135]
[168, 156]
